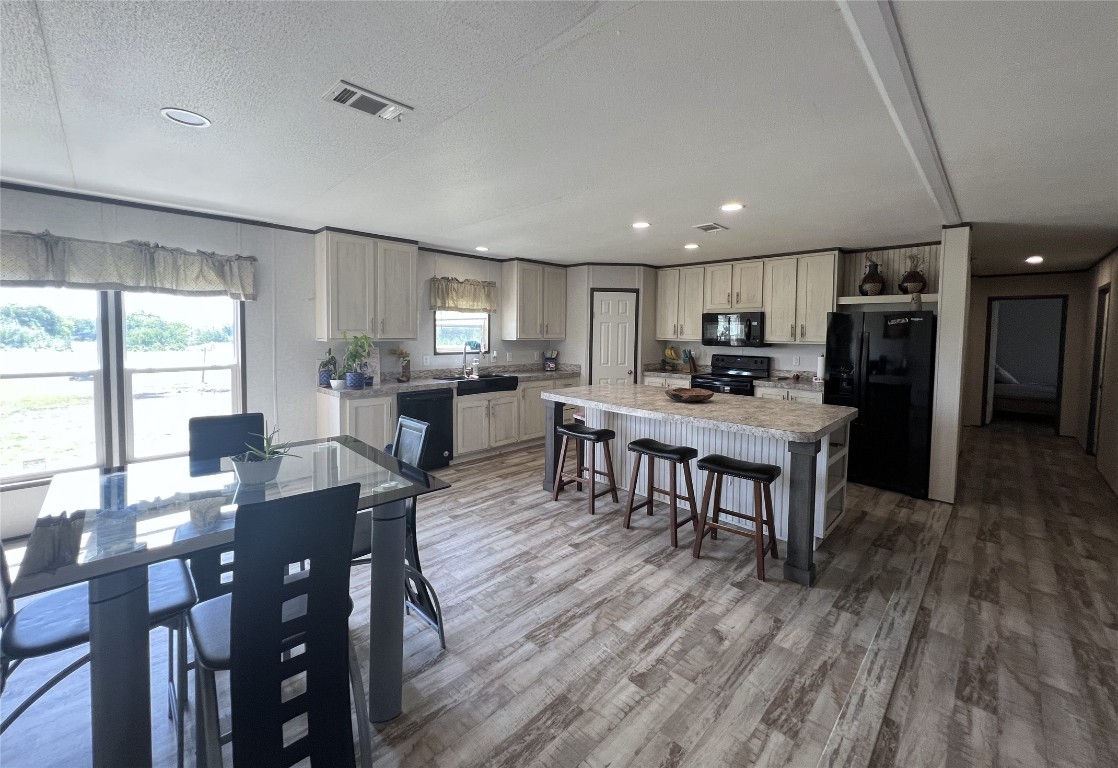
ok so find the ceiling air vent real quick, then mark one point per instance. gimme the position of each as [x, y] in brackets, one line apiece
[712, 227]
[350, 95]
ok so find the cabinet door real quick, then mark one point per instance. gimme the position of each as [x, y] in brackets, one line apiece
[371, 420]
[691, 303]
[554, 302]
[529, 312]
[748, 284]
[504, 420]
[471, 425]
[718, 292]
[346, 273]
[654, 381]
[815, 296]
[396, 308]
[802, 396]
[667, 303]
[780, 301]
[532, 410]
[769, 393]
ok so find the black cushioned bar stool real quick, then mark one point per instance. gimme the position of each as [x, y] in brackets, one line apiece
[674, 454]
[583, 434]
[718, 467]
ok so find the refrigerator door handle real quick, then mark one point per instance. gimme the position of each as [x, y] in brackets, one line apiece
[863, 366]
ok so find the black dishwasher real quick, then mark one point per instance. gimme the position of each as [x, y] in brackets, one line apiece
[436, 408]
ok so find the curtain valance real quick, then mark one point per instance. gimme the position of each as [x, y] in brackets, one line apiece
[463, 295]
[66, 262]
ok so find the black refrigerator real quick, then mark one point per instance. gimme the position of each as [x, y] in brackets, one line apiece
[883, 364]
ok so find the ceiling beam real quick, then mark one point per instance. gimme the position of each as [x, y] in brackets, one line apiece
[874, 29]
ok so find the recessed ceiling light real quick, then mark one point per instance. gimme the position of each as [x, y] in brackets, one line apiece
[730, 207]
[481, 248]
[1034, 259]
[185, 117]
[691, 246]
[641, 225]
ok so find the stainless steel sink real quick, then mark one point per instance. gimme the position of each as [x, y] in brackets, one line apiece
[486, 382]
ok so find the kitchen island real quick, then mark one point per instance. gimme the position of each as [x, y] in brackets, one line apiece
[808, 442]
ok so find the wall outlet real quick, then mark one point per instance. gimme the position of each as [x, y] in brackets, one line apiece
[795, 360]
[426, 361]
[508, 357]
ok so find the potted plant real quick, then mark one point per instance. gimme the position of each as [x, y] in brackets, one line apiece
[259, 465]
[328, 370]
[356, 353]
[405, 364]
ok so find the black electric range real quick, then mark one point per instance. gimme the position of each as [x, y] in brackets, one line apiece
[732, 374]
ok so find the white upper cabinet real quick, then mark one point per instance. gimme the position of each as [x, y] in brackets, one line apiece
[735, 286]
[533, 301]
[679, 312]
[799, 292]
[363, 285]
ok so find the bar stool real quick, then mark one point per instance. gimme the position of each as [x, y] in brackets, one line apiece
[761, 476]
[673, 454]
[583, 435]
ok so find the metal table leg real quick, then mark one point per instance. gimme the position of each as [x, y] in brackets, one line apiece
[386, 612]
[799, 565]
[119, 669]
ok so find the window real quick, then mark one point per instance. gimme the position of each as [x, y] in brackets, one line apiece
[75, 393]
[453, 330]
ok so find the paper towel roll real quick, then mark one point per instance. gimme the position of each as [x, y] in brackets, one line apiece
[820, 367]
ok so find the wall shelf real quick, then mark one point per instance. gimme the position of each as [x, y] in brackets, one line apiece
[892, 298]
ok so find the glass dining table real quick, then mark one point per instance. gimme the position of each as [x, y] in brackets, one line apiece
[146, 512]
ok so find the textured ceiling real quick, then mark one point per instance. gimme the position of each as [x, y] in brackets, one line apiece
[543, 129]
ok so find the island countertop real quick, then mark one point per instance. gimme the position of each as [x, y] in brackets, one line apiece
[779, 419]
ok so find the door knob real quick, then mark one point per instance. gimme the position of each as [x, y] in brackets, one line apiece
[630, 373]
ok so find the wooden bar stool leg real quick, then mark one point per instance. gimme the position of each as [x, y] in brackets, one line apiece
[691, 495]
[580, 461]
[560, 469]
[632, 489]
[703, 516]
[717, 505]
[759, 531]
[674, 504]
[609, 471]
[651, 484]
[771, 519]
[593, 475]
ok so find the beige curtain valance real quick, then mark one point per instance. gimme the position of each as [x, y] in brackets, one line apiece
[463, 295]
[66, 262]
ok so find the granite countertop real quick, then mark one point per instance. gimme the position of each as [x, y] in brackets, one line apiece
[417, 384]
[805, 383]
[779, 419]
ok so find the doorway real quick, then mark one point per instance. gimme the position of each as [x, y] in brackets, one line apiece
[1102, 317]
[613, 336]
[1024, 359]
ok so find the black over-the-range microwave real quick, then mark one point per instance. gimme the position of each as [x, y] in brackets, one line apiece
[734, 329]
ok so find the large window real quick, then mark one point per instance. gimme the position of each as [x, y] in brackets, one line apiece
[92, 378]
[453, 330]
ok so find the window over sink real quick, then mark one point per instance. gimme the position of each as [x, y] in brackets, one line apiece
[453, 330]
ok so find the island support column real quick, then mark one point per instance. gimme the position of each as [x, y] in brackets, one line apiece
[553, 417]
[799, 566]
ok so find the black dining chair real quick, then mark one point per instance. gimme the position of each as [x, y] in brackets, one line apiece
[275, 626]
[59, 620]
[213, 438]
[419, 593]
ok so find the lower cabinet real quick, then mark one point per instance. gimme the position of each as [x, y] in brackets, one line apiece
[371, 420]
[533, 407]
[779, 393]
[486, 421]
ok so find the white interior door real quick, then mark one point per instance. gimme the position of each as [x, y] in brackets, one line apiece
[988, 406]
[615, 327]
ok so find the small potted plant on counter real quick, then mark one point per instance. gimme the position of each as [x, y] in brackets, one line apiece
[261, 464]
[328, 372]
[405, 364]
[356, 353]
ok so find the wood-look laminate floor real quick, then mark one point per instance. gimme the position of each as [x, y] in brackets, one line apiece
[984, 633]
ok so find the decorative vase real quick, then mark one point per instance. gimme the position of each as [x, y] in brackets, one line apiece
[355, 379]
[873, 283]
[324, 378]
[257, 472]
[405, 370]
[337, 383]
[913, 281]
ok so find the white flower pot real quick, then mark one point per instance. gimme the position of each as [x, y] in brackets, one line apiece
[257, 472]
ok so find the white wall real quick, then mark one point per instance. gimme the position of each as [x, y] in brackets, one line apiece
[1029, 339]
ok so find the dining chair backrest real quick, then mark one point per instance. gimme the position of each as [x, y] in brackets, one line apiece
[410, 440]
[213, 438]
[7, 608]
[271, 535]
